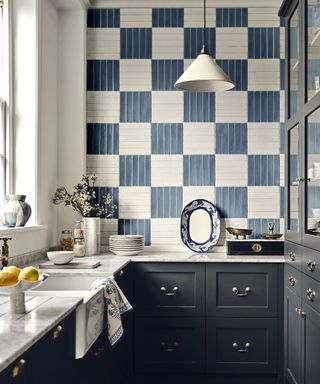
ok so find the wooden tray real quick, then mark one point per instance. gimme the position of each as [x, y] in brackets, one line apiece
[72, 265]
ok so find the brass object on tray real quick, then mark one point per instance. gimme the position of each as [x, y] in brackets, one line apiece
[239, 232]
[271, 235]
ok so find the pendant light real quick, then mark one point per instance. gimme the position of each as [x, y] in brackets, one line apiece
[204, 74]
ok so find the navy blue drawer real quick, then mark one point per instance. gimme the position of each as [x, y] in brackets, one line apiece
[169, 345]
[242, 290]
[310, 263]
[293, 279]
[169, 289]
[311, 292]
[292, 253]
[242, 345]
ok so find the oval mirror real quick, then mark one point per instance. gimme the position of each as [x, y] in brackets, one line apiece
[200, 225]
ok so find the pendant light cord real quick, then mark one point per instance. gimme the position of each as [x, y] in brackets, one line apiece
[204, 31]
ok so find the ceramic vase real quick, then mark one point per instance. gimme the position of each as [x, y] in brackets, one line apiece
[18, 205]
[91, 227]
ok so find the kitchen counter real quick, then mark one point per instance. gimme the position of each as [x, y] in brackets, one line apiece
[19, 332]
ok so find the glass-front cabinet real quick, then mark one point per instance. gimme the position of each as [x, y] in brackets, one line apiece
[302, 106]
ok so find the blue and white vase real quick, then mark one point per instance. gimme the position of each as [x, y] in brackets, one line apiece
[17, 204]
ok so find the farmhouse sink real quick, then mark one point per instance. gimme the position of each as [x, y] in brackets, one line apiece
[89, 314]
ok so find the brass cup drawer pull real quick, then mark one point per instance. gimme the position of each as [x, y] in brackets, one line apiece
[121, 273]
[292, 256]
[311, 265]
[292, 280]
[311, 294]
[57, 332]
[238, 293]
[174, 346]
[241, 350]
[174, 291]
[300, 312]
[18, 369]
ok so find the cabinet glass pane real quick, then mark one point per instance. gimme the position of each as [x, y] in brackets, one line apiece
[293, 62]
[313, 169]
[293, 172]
[313, 51]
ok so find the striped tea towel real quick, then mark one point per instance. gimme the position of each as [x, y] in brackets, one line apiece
[117, 304]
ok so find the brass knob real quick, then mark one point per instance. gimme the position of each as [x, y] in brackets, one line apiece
[292, 280]
[121, 273]
[18, 369]
[292, 256]
[169, 349]
[311, 265]
[238, 292]
[98, 352]
[174, 291]
[300, 312]
[57, 332]
[241, 350]
[257, 247]
[311, 294]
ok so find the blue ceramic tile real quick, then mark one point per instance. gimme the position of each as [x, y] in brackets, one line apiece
[232, 17]
[264, 43]
[237, 70]
[293, 102]
[262, 226]
[113, 191]
[232, 201]
[193, 42]
[135, 43]
[199, 107]
[313, 16]
[264, 170]
[103, 18]
[198, 170]
[313, 135]
[313, 199]
[166, 202]
[282, 74]
[313, 71]
[135, 170]
[102, 139]
[294, 225]
[282, 202]
[264, 106]
[282, 22]
[165, 73]
[102, 75]
[167, 17]
[166, 139]
[282, 137]
[231, 138]
[135, 107]
[135, 227]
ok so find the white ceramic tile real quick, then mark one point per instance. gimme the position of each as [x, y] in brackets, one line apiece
[263, 75]
[165, 232]
[231, 170]
[294, 200]
[136, 17]
[231, 107]
[106, 168]
[167, 107]
[193, 17]
[134, 138]
[263, 138]
[108, 227]
[235, 223]
[166, 170]
[263, 202]
[103, 107]
[103, 43]
[282, 106]
[134, 202]
[135, 75]
[282, 170]
[167, 43]
[282, 43]
[232, 43]
[198, 138]
[263, 17]
[199, 192]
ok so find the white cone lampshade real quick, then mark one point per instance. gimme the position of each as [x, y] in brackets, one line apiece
[204, 75]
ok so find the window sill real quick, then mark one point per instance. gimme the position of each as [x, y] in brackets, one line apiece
[4, 231]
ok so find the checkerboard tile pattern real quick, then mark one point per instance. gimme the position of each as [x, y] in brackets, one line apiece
[155, 148]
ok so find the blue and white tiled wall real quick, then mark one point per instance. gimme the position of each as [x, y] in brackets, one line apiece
[156, 148]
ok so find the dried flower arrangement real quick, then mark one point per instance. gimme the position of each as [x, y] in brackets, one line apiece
[82, 200]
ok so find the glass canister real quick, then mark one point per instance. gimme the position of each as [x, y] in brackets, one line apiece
[79, 248]
[78, 232]
[66, 240]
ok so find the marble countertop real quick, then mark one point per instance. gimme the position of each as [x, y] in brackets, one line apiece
[19, 332]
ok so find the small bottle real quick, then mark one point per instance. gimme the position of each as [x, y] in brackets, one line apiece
[78, 232]
[66, 240]
[79, 248]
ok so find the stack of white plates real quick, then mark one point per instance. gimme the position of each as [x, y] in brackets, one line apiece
[126, 245]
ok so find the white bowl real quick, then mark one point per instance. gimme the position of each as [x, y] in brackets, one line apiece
[60, 257]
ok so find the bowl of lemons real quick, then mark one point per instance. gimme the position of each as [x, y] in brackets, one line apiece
[15, 281]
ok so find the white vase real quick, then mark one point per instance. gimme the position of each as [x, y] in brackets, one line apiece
[91, 227]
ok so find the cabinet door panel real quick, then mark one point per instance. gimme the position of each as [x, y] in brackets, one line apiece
[293, 338]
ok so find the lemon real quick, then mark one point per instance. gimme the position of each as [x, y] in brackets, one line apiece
[12, 269]
[29, 273]
[7, 279]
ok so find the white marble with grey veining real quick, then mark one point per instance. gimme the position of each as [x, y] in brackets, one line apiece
[19, 332]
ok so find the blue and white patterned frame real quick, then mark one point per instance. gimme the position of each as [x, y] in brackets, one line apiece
[214, 225]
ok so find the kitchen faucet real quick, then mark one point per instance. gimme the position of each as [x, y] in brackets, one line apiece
[4, 257]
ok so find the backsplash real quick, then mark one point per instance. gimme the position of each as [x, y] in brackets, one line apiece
[155, 148]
